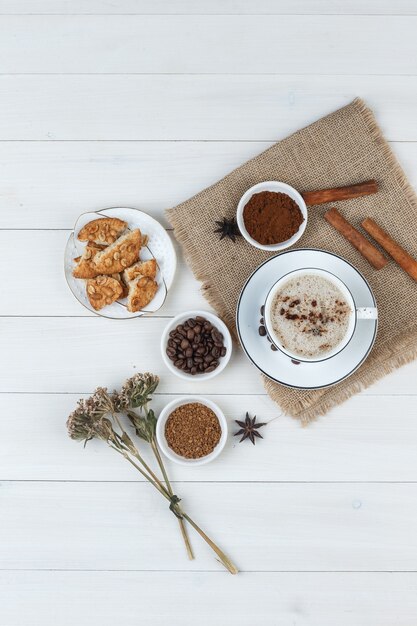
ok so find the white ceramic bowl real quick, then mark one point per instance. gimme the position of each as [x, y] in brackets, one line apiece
[213, 319]
[277, 187]
[160, 430]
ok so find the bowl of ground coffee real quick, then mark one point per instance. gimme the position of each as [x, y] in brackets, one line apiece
[191, 430]
[272, 216]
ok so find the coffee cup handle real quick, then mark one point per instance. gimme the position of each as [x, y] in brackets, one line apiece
[367, 313]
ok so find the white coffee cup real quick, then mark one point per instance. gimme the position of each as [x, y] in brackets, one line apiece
[358, 314]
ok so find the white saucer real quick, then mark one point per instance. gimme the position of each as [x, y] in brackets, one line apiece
[159, 247]
[276, 365]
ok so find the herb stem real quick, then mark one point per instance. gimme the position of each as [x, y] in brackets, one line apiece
[229, 565]
[157, 484]
[184, 533]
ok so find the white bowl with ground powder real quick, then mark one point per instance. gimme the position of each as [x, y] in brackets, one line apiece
[311, 315]
[276, 187]
[191, 430]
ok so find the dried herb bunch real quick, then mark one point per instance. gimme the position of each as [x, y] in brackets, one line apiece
[100, 417]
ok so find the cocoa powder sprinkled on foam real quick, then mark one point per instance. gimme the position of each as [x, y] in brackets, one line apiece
[192, 430]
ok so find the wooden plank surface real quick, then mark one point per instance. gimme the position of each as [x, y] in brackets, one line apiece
[49, 294]
[362, 599]
[127, 43]
[251, 108]
[264, 526]
[48, 184]
[70, 354]
[143, 104]
[363, 439]
[204, 7]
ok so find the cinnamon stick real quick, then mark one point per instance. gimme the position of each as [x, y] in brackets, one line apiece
[393, 248]
[367, 250]
[340, 193]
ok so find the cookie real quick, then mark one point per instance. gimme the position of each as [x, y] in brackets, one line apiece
[103, 290]
[125, 288]
[143, 268]
[141, 291]
[86, 267]
[119, 255]
[104, 230]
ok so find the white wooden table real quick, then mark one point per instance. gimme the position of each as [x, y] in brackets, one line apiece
[141, 103]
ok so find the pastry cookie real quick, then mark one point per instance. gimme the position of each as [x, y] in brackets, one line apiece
[141, 291]
[104, 230]
[86, 267]
[120, 254]
[103, 290]
[125, 288]
[143, 268]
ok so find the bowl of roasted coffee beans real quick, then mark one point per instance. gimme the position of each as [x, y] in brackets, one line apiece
[191, 430]
[196, 345]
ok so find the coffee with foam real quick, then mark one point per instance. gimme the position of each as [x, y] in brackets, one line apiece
[310, 316]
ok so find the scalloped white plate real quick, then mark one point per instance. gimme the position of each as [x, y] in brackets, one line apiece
[159, 247]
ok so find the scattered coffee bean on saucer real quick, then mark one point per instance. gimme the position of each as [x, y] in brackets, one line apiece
[263, 332]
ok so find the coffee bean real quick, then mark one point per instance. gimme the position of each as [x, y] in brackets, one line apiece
[262, 331]
[216, 336]
[208, 358]
[200, 319]
[184, 344]
[193, 370]
[191, 323]
[189, 352]
[210, 369]
[198, 359]
[223, 351]
[190, 363]
[215, 352]
[190, 334]
[179, 363]
[197, 329]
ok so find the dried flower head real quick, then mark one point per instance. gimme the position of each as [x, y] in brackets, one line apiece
[136, 392]
[144, 425]
[89, 418]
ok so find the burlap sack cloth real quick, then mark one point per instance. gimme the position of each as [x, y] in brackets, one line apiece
[342, 148]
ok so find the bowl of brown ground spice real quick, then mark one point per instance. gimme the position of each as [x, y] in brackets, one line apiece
[272, 216]
[191, 430]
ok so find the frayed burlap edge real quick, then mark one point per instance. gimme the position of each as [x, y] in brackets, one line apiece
[389, 357]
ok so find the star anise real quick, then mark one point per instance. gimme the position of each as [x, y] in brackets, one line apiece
[228, 228]
[248, 428]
